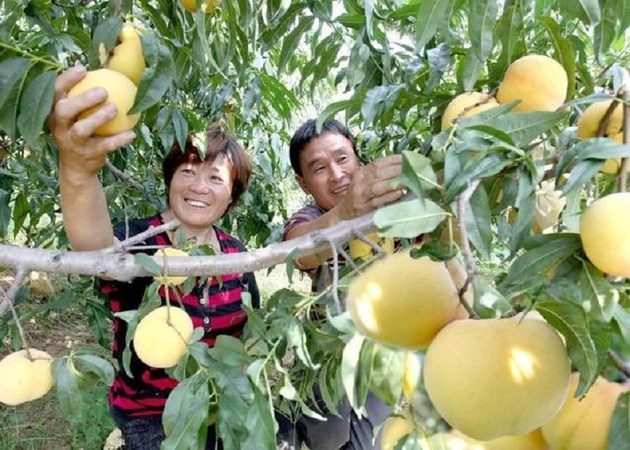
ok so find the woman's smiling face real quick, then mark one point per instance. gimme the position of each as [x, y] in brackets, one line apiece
[200, 193]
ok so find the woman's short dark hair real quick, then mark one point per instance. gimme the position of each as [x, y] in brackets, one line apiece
[218, 142]
[307, 132]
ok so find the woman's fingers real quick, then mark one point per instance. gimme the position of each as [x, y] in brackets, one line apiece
[67, 109]
[66, 81]
[84, 128]
[112, 143]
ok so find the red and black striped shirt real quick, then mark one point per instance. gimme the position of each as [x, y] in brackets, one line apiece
[220, 313]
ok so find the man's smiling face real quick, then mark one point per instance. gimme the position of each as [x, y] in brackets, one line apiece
[328, 163]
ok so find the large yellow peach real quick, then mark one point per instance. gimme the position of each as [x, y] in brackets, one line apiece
[362, 250]
[121, 92]
[160, 342]
[588, 125]
[127, 57]
[208, 7]
[529, 441]
[539, 82]
[402, 301]
[497, 377]
[465, 102]
[173, 281]
[584, 424]
[605, 236]
[23, 379]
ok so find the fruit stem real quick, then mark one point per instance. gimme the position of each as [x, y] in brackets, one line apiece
[335, 280]
[348, 259]
[603, 123]
[8, 300]
[625, 162]
[462, 205]
[377, 248]
[451, 240]
[122, 175]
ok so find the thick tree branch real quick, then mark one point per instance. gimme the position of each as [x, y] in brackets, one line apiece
[114, 264]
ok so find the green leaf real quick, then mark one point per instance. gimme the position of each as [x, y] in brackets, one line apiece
[387, 374]
[581, 174]
[185, 412]
[599, 292]
[378, 101]
[230, 350]
[570, 320]
[100, 367]
[12, 77]
[261, 425]
[290, 264]
[35, 105]
[527, 268]
[468, 71]
[180, 125]
[105, 33]
[254, 372]
[483, 14]
[296, 338]
[67, 385]
[431, 15]
[509, 29]
[563, 51]
[622, 317]
[417, 173]
[478, 222]
[591, 8]
[479, 166]
[619, 434]
[147, 263]
[157, 78]
[523, 127]
[332, 109]
[409, 219]
[21, 209]
[349, 368]
[291, 41]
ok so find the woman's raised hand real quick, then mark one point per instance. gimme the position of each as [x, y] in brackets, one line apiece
[81, 152]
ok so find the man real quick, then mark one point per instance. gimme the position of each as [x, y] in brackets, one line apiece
[327, 167]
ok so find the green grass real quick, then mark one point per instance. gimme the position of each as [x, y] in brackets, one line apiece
[41, 425]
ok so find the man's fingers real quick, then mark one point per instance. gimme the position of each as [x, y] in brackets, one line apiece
[386, 161]
[85, 128]
[383, 187]
[386, 198]
[113, 143]
[67, 80]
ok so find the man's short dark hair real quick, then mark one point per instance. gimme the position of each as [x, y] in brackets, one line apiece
[307, 132]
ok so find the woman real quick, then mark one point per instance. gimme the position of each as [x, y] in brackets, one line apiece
[203, 181]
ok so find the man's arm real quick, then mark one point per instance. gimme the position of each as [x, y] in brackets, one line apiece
[81, 157]
[370, 188]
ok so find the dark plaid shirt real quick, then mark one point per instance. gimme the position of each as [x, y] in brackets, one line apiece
[146, 392]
